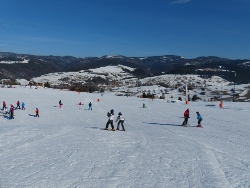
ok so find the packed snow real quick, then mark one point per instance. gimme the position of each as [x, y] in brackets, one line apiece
[66, 147]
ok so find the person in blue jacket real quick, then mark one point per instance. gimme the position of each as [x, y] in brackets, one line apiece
[90, 106]
[23, 106]
[199, 117]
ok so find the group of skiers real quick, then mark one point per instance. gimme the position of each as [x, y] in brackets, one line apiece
[17, 105]
[12, 108]
[186, 116]
[120, 119]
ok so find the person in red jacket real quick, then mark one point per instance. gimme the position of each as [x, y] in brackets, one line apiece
[37, 112]
[18, 105]
[186, 116]
[4, 105]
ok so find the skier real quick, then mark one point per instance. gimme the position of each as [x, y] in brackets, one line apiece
[199, 117]
[11, 112]
[90, 106]
[110, 120]
[120, 120]
[60, 104]
[186, 116]
[23, 106]
[18, 105]
[37, 112]
[4, 105]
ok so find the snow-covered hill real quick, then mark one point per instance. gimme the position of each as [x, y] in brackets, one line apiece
[109, 72]
[172, 86]
[65, 147]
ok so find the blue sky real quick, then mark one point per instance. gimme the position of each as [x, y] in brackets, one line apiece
[85, 28]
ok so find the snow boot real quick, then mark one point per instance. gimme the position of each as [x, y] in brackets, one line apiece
[106, 129]
[113, 129]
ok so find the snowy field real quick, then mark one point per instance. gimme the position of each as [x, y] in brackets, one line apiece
[65, 147]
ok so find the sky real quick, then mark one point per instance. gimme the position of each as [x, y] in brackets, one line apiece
[82, 28]
[66, 147]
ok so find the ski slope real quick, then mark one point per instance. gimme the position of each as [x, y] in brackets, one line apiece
[65, 147]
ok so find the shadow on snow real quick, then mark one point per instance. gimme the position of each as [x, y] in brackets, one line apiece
[169, 124]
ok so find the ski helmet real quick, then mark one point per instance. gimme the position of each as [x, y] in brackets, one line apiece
[119, 113]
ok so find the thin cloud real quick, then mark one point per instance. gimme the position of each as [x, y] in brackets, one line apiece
[181, 1]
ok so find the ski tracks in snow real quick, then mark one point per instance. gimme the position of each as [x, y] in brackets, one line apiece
[113, 167]
[206, 168]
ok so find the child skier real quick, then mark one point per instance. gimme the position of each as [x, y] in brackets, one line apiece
[11, 112]
[37, 112]
[120, 120]
[186, 116]
[18, 105]
[90, 106]
[23, 106]
[199, 117]
[60, 104]
[4, 105]
[110, 120]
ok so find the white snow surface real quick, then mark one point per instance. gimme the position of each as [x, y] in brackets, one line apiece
[12, 62]
[113, 69]
[113, 72]
[66, 147]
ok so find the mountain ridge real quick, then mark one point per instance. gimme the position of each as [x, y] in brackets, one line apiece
[144, 66]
